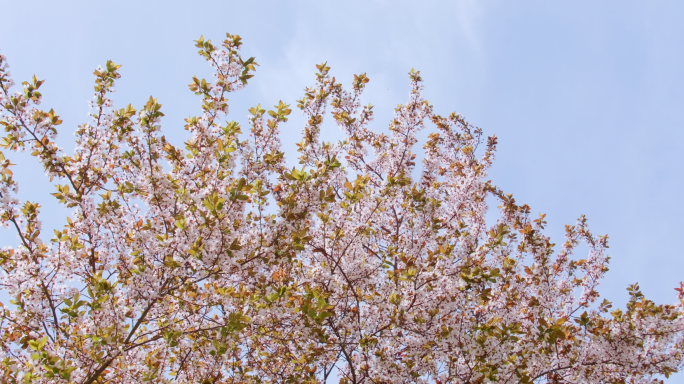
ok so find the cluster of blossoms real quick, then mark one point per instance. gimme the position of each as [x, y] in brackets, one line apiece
[172, 266]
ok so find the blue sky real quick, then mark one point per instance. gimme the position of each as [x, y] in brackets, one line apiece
[586, 97]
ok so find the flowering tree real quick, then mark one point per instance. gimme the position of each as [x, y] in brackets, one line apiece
[222, 265]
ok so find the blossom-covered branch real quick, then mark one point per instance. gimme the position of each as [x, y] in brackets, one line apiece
[217, 263]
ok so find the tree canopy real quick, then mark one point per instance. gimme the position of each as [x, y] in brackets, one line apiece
[218, 263]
